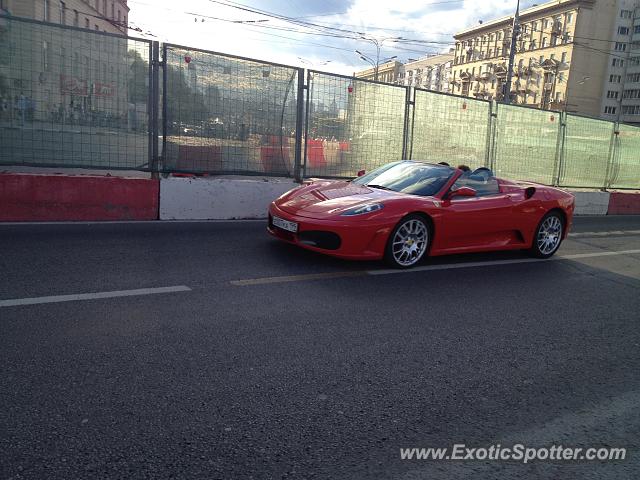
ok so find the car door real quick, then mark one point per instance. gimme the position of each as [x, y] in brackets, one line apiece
[483, 222]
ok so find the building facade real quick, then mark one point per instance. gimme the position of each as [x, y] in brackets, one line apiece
[572, 55]
[431, 72]
[66, 74]
[387, 72]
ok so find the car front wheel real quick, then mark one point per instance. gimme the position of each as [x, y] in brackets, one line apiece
[408, 242]
[548, 235]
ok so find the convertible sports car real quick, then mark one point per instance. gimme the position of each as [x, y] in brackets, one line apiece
[406, 210]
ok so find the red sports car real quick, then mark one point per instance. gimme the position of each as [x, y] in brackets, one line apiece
[406, 210]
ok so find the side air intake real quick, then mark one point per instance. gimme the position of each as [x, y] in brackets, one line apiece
[529, 192]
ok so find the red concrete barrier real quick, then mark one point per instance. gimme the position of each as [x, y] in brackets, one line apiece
[199, 158]
[31, 197]
[315, 153]
[624, 204]
[275, 159]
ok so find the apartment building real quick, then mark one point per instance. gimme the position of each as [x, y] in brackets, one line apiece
[388, 72]
[574, 55]
[65, 74]
[103, 15]
[431, 72]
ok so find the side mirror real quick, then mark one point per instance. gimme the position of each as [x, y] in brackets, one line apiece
[361, 173]
[462, 192]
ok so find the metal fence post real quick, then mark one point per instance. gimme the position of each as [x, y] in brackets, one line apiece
[153, 110]
[559, 160]
[609, 176]
[164, 106]
[297, 167]
[490, 144]
[408, 107]
[308, 87]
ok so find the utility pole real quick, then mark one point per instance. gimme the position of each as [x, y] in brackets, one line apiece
[515, 32]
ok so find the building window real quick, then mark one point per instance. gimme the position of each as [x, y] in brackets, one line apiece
[541, 59]
[76, 19]
[612, 94]
[615, 78]
[532, 45]
[636, 29]
[63, 13]
[544, 42]
[626, 14]
[620, 47]
[45, 56]
[113, 15]
[104, 7]
[545, 24]
[633, 77]
[534, 27]
[97, 6]
[623, 30]
[617, 62]
[96, 27]
[610, 110]
[47, 11]
[631, 94]
[558, 97]
[631, 110]
[569, 18]
[564, 57]
[119, 16]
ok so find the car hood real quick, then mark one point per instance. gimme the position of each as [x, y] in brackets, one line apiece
[330, 199]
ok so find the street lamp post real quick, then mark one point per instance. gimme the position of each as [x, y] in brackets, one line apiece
[375, 64]
[512, 54]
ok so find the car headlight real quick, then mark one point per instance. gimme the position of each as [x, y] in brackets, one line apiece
[374, 207]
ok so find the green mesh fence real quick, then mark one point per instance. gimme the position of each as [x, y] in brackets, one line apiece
[625, 171]
[352, 125]
[525, 143]
[73, 98]
[587, 146]
[450, 129]
[227, 114]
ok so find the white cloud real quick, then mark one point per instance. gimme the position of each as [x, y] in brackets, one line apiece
[435, 21]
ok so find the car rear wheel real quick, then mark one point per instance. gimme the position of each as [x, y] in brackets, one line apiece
[548, 236]
[408, 242]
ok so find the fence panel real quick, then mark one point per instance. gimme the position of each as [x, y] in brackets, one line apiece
[450, 129]
[626, 170]
[587, 147]
[526, 143]
[352, 125]
[73, 98]
[228, 115]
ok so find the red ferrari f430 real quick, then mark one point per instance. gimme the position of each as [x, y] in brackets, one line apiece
[407, 210]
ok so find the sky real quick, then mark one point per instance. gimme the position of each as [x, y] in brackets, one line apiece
[426, 27]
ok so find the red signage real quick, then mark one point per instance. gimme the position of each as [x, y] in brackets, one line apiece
[73, 86]
[103, 89]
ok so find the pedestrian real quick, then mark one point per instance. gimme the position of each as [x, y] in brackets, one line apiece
[22, 107]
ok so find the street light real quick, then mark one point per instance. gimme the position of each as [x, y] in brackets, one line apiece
[304, 61]
[378, 43]
[375, 64]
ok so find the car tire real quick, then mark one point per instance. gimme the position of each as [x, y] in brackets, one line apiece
[409, 242]
[548, 236]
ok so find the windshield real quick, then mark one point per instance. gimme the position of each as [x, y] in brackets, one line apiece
[408, 177]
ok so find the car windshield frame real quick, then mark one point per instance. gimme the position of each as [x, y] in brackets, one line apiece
[405, 171]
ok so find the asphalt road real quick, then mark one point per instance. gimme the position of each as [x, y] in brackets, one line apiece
[273, 362]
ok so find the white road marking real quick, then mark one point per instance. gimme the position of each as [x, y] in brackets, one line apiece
[577, 256]
[426, 268]
[604, 234]
[92, 296]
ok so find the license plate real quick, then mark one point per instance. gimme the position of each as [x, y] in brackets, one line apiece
[285, 224]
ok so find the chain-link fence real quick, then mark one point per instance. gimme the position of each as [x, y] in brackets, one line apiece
[227, 114]
[352, 125]
[75, 97]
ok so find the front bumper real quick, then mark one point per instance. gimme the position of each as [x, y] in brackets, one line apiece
[358, 239]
